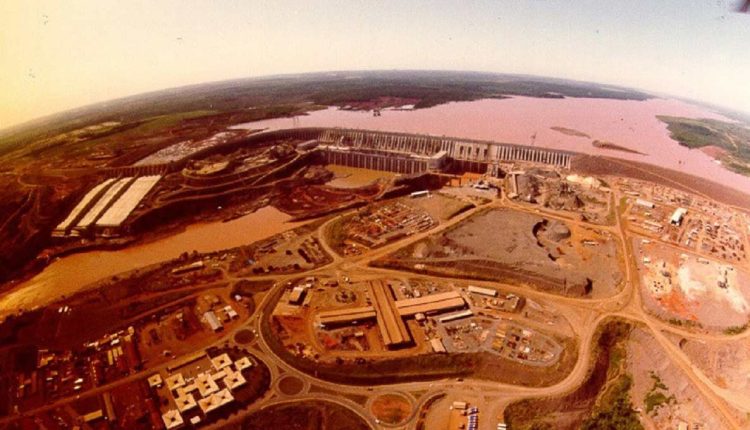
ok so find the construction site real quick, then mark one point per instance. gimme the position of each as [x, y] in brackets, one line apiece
[529, 249]
[450, 265]
[689, 289]
[586, 197]
[378, 224]
[691, 223]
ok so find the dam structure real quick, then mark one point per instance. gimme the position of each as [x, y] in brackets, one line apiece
[379, 150]
[411, 153]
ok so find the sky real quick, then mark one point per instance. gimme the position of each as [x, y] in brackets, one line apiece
[56, 55]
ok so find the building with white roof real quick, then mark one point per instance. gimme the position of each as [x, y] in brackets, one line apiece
[172, 419]
[243, 363]
[678, 215]
[212, 321]
[437, 345]
[103, 203]
[221, 361]
[234, 380]
[175, 381]
[206, 385]
[231, 313]
[154, 380]
[128, 201]
[215, 401]
[483, 291]
[185, 402]
[78, 210]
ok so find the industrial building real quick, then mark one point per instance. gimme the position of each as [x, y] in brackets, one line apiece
[458, 315]
[645, 203]
[104, 210]
[430, 304]
[390, 313]
[483, 291]
[391, 326]
[81, 208]
[297, 295]
[127, 202]
[101, 205]
[677, 216]
[437, 345]
[346, 316]
[212, 321]
[410, 154]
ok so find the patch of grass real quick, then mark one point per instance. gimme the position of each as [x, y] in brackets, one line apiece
[657, 396]
[735, 329]
[617, 357]
[615, 409]
[683, 323]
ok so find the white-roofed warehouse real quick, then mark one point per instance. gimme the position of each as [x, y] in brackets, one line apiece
[128, 201]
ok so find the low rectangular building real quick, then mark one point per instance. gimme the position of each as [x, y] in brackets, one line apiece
[437, 345]
[458, 315]
[212, 321]
[231, 313]
[297, 295]
[346, 316]
[391, 326]
[645, 203]
[460, 405]
[483, 291]
[429, 304]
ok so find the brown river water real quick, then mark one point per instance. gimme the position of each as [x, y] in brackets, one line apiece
[73, 273]
[353, 177]
[525, 120]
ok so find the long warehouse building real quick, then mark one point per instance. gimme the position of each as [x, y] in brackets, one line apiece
[346, 316]
[433, 303]
[128, 201]
[103, 204]
[80, 209]
[106, 207]
[392, 328]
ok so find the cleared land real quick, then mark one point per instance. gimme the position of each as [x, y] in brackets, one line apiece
[662, 390]
[391, 408]
[686, 289]
[726, 363]
[512, 246]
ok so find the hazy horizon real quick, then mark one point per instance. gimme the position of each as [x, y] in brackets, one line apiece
[57, 57]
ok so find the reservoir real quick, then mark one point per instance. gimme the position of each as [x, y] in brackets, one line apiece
[630, 124]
